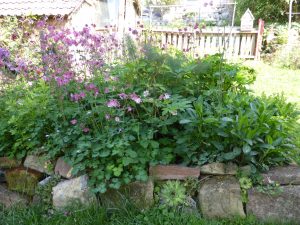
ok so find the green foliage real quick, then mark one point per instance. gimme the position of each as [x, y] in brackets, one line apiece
[277, 51]
[270, 189]
[172, 194]
[245, 129]
[44, 192]
[191, 185]
[168, 108]
[245, 184]
[269, 10]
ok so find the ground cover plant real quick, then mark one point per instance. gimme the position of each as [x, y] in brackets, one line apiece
[128, 215]
[111, 117]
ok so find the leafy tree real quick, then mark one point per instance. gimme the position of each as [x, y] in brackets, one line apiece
[269, 10]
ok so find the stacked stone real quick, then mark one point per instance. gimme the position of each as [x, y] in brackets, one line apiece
[18, 181]
[219, 194]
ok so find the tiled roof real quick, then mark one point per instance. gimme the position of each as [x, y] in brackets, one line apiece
[37, 7]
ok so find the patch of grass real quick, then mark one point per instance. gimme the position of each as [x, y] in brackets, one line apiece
[96, 215]
[271, 80]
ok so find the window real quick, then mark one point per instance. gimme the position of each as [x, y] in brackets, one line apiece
[107, 12]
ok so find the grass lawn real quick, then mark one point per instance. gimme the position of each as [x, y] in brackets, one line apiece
[271, 80]
[96, 215]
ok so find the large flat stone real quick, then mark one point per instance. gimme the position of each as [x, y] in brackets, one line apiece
[220, 197]
[219, 169]
[283, 175]
[284, 206]
[63, 169]
[70, 191]
[9, 198]
[173, 172]
[138, 193]
[39, 164]
[22, 180]
[7, 163]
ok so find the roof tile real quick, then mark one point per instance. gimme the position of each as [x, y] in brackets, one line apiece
[37, 7]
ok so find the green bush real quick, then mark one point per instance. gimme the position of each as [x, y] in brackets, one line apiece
[245, 129]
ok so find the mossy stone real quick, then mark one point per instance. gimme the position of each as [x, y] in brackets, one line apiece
[7, 163]
[22, 180]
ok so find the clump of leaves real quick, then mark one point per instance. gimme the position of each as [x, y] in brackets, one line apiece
[43, 192]
[173, 194]
[191, 185]
[270, 189]
[245, 184]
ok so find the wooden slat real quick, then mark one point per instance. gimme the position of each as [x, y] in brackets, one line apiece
[202, 45]
[235, 44]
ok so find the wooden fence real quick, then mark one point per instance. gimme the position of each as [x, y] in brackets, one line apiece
[230, 41]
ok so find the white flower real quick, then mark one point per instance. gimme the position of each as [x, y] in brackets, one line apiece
[146, 93]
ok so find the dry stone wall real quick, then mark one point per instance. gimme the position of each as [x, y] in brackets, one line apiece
[218, 195]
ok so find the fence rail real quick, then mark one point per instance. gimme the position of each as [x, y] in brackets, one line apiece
[230, 41]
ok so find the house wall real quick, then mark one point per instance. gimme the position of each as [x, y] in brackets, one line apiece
[131, 16]
[95, 11]
[84, 14]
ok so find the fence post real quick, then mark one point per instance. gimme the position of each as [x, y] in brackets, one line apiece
[259, 39]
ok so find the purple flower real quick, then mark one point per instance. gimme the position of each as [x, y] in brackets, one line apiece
[134, 97]
[106, 90]
[4, 53]
[77, 97]
[86, 130]
[129, 109]
[113, 103]
[196, 26]
[123, 96]
[73, 122]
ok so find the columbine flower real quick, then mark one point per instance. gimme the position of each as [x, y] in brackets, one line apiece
[73, 122]
[136, 98]
[123, 96]
[164, 96]
[113, 103]
[146, 93]
[86, 130]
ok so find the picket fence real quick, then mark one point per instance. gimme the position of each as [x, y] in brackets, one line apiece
[228, 40]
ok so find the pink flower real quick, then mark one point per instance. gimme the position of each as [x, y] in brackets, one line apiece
[86, 130]
[123, 96]
[113, 103]
[107, 116]
[135, 98]
[129, 109]
[106, 90]
[77, 97]
[73, 122]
